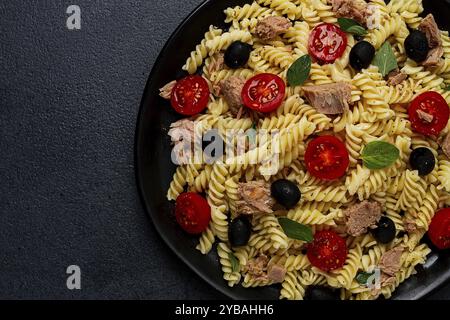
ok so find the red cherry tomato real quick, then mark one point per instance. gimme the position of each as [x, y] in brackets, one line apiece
[190, 95]
[439, 231]
[326, 157]
[327, 42]
[192, 212]
[264, 92]
[433, 104]
[328, 251]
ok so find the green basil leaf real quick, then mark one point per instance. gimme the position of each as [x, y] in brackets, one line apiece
[351, 26]
[447, 88]
[295, 230]
[299, 71]
[362, 277]
[358, 30]
[234, 262]
[379, 155]
[385, 59]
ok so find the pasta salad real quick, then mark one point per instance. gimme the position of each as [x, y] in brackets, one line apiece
[330, 158]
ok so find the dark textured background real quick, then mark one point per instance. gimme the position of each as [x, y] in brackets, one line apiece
[68, 107]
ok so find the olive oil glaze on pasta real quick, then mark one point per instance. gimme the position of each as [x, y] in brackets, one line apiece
[359, 93]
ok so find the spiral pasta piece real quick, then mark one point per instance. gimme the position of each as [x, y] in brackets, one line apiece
[311, 217]
[223, 41]
[324, 11]
[291, 288]
[206, 240]
[298, 37]
[284, 7]
[444, 174]
[413, 191]
[201, 51]
[270, 229]
[201, 182]
[177, 184]
[392, 26]
[247, 11]
[232, 192]
[219, 221]
[344, 276]
[233, 277]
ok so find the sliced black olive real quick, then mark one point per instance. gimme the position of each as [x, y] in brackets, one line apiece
[385, 230]
[239, 231]
[387, 1]
[286, 193]
[321, 293]
[361, 55]
[416, 46]
[237, 54]
[422, 160]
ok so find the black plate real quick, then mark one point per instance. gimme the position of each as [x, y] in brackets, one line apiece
[154, 168]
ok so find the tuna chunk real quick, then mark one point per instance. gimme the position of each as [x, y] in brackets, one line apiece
[362, 216]
[255, 198]
[425, 116]
[431, 30]
[385, 280]
[217, 63]
[409, 225]
[329, 98]
[257, 267]
[445, 145]
[396, 77]
[276, 273]
[231, 90]
[390, 262]
[180, 129]
[182, 136]
[269, 27]
[166, 91]
[353, 9]
[434, 57]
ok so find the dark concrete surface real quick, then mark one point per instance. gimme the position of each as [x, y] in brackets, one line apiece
[68, 107]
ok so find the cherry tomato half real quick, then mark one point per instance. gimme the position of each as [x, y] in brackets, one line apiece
[429, 113]
[327, 42]
[192, 212]
[327, 158]
[190, 95]
[328, 251]
[264, 92]
[439, 231]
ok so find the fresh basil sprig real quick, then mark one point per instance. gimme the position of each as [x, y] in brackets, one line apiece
[379, 155]
[351, 26]
[385, 59]
[363, 277]
[295, 230]
[299, 71]
[447, 88]
[234, 262]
